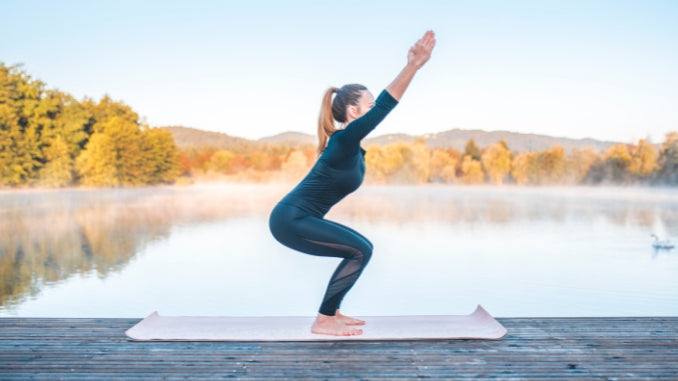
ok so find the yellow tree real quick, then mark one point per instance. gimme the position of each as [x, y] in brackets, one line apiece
[443, 166]
[580, 162]
[524, 169]
[419, 161]
[259, 160]
[130, 159]
[22, 116]
[617, 161]
[644, 159]
[668, 160]
[472, 171]
[374, 158]
[295, 165]
[162, 156]
[73, 122]
[96, 164]
[552, 165]
[58, 170]
[107, 109]
[384, 161]
[496, 160]
[63, 135]
[221, 161]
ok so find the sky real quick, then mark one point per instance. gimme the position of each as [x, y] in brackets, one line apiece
[598, 69]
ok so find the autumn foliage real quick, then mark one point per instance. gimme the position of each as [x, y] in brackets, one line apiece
[417, 163]
[47, 138]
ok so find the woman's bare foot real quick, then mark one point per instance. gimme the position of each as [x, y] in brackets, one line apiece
[348, 320]
[331, 325]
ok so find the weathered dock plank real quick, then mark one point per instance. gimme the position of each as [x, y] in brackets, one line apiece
[615, 348]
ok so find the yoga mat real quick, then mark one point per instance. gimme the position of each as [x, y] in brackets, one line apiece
[477, 325]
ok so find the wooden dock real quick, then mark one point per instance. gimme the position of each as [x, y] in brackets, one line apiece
[616, 348]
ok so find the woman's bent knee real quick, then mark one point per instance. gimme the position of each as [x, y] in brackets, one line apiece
[366, 253]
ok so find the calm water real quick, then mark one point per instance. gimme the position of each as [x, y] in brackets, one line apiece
[206, 250]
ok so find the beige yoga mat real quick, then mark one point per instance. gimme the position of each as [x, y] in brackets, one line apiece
[477, 325]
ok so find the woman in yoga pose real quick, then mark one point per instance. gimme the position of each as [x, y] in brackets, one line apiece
[298, 222]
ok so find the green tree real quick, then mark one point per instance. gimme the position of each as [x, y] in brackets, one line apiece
[472, 150]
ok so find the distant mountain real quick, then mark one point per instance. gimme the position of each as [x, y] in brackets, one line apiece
[290, 138]
[389, 138]
[456, 138]
[516, 141]
[185, 137]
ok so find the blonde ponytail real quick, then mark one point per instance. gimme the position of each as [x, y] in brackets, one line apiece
[326, 120]
[331, 110]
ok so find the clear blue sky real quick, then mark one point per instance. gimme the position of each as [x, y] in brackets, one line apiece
[601, 69]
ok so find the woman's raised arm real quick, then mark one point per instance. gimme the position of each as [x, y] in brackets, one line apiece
[416, 58]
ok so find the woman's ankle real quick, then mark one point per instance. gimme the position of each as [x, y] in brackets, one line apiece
[323, 317]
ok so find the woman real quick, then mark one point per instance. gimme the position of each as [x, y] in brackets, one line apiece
[297, 221]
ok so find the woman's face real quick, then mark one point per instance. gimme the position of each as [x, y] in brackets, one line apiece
[365, 103]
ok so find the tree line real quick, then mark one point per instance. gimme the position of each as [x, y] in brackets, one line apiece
[48, 138]
[417, 163]
[497, 164]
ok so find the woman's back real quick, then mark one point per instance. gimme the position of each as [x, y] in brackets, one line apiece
[340, 169]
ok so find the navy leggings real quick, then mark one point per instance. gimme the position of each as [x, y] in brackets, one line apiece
[301, 231]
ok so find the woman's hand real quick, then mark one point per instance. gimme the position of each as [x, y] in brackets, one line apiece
[416, 58]
[421, 51]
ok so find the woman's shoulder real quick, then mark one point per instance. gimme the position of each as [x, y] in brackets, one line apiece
[338, 138]
[338, 145]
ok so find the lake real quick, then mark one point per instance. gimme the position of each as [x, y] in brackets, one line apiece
[206, 250]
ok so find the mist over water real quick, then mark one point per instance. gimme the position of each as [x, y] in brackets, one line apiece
[207, 250]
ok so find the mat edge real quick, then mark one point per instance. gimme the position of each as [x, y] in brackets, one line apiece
[478, 310]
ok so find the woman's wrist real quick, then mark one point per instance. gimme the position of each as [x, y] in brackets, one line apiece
[411, 66]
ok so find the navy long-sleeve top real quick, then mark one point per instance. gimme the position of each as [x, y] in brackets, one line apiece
[340, 169]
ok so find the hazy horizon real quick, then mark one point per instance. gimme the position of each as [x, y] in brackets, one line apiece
[377, 135]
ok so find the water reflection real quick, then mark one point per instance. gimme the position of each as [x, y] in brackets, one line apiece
[500, 206]
[47, 237]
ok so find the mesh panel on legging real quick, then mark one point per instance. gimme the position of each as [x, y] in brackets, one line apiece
[317, 236]
[344, 276]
